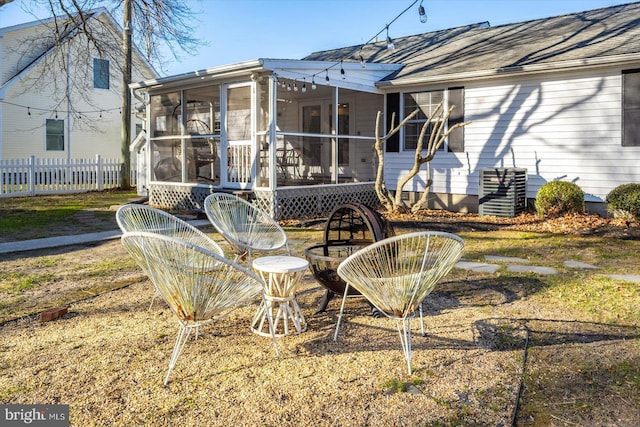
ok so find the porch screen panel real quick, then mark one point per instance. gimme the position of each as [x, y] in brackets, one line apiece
[239, 157]
[202, 125]
[166, 160]
[312, 146]
[165, 115]
[631, 108]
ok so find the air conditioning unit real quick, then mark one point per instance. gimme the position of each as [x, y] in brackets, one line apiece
[503, 191]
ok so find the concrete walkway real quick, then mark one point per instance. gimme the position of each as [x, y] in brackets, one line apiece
[512, 264]
[53, 242]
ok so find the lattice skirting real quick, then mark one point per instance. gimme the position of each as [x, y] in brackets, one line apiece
[313, 200]
[284, 203]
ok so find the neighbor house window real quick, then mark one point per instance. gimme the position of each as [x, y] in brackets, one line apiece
[631, 108]
[100, 73]
[54, 130]
[425, 102]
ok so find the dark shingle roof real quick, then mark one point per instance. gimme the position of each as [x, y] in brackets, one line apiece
[592, 34]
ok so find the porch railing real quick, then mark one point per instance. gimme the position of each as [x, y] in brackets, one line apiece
[33, 176]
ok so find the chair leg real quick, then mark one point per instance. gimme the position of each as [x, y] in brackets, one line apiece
[404, 331]
[153, 298]
[181, 340]
[344, 298]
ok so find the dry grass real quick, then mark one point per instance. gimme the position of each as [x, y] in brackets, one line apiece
[571, 341]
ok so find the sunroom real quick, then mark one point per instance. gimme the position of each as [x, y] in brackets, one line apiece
[296, 137]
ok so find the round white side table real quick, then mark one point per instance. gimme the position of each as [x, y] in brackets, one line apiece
[281, 274]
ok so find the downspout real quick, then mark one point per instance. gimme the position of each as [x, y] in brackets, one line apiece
[69, 105]
[1, 97]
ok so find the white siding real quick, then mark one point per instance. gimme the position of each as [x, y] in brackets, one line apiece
[566, 127]
[96, 130]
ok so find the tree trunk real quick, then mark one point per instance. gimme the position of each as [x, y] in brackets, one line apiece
[125, 131]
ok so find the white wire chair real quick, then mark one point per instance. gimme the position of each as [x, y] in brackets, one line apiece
[199, 286]
[246, 227]
[397, 274]
[136, 217]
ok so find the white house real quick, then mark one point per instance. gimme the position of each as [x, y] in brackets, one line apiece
[557, 98]
[68, 114]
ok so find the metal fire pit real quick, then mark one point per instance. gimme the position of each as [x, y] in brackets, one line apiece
[350, 227]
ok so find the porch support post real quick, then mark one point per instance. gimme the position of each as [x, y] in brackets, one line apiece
[273, 141]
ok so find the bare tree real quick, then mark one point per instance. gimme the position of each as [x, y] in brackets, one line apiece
[158, 27]
[436, 138]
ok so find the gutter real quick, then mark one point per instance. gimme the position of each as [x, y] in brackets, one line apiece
[215, 72]
[546, 68]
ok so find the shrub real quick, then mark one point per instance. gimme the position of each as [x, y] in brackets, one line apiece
[624, 201]
[558, 198]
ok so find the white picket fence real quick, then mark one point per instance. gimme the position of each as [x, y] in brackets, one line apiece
[33, 176]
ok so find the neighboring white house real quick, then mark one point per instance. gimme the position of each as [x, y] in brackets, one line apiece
[559, 97]
[50, 117]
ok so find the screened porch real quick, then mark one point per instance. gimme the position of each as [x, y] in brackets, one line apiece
[262, 131]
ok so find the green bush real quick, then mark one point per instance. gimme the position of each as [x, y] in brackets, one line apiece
[557, 198]
[624, 201]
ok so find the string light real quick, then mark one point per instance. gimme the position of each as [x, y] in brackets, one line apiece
[422, 13]
[304, 85]
[390, 45]
[54, 111]
[342, 71]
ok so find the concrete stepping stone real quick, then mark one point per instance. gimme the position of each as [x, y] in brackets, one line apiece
[506, 259]
[626, 277]
[478, 267]
[577, 264]
[530, 269]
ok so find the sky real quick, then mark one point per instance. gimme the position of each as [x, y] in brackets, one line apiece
[233, 31]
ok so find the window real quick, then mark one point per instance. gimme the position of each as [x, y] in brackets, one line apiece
[631, 108]
[100, 73]
[54, 130]
[426, 102]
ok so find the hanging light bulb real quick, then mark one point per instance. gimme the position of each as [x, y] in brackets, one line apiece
[362, 63]
[28, 111]
[422, 13]
[327, 76]
[295, 86]
[313, 83]
[56, 114]
[304, 85]
[342, 71]
[289, 87]
[390, 44]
